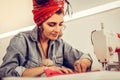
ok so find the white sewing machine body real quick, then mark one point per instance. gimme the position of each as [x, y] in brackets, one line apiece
[104, 40]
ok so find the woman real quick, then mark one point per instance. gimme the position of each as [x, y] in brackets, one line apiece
[31, 53]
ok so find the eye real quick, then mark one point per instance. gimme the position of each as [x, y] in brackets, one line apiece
[51, 24]
[61, 24]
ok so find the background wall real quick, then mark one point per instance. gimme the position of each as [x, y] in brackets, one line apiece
[16, 14]
[78, 32]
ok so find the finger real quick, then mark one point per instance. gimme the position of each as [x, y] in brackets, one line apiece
[67, 70]
[60, 71]
[83, 67]
[75, 67]
[70, 71]
[64, 70]
[78, 67]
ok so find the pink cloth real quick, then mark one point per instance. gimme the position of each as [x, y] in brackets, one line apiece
[117, 50]
[50, 72]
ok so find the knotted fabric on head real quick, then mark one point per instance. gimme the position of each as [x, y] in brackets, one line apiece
[42, 12]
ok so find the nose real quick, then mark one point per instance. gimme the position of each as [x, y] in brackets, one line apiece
[57, 28]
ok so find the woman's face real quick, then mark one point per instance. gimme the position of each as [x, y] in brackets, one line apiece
[52, 27]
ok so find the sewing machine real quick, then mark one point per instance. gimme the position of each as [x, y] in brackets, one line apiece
[105, 43]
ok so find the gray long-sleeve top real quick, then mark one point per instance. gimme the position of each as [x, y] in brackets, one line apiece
[23, 52]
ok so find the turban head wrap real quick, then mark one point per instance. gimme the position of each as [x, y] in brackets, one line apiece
[42, 12]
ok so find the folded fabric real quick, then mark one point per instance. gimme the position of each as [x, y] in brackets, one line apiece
[50, 73]
[117, 50]
[118, 35]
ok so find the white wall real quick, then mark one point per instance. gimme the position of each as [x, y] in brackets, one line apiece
[15, 14]
[78, 32]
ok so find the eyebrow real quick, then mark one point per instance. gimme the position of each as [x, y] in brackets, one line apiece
[55, 22]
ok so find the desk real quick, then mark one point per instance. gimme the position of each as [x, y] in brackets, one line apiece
[101, 75]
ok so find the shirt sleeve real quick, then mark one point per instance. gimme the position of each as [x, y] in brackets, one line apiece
[71, 55]
[20, 70]
[14, 58]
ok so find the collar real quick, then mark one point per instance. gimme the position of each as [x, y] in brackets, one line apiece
[34, 34]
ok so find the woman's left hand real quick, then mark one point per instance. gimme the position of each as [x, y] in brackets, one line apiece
[81, 65]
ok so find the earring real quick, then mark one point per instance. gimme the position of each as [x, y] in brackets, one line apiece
[40, 28]
[64, 26]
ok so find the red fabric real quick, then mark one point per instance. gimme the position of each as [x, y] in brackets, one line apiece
[44, 11]
[50, 73]
[117, 50]
[118, 35]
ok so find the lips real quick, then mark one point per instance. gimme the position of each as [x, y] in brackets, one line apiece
[54, 35]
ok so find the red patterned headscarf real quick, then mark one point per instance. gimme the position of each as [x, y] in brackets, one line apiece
[42, 12]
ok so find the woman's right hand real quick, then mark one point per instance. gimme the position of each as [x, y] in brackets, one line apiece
[62, 70]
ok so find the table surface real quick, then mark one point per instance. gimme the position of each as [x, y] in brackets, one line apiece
[99, 75]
